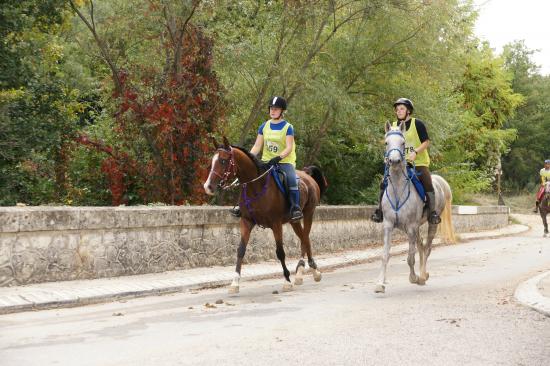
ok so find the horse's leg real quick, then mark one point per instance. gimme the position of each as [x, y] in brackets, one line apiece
[543, 212]
[278, 234]
[299, 231]
[305, 244]
[246, 228]
[385, 258]
[413, 240]
[425, 251]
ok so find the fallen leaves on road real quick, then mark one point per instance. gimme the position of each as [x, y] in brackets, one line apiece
[454, 321]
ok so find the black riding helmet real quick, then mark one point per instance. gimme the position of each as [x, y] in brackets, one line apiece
[406, 102]
[278, 102]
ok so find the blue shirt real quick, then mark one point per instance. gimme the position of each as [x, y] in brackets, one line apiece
[277, 127]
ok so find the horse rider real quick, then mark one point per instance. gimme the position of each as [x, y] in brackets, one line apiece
[416, 150]
[275, 140]
[544, 177]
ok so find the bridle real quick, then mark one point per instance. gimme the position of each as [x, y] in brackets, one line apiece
[230, 170]
[397, 205]
[401, 152]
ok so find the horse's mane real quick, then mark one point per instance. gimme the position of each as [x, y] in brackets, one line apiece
[259, 164]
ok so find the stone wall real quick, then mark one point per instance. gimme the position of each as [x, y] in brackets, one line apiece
[39, 244]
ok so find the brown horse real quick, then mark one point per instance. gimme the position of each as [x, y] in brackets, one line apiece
[263, 204]
[544, 206]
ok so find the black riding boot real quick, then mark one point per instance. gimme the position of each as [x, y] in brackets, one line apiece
[235, 211]
[377, 216]
[433, 216]
[537, 203]
[295, 211]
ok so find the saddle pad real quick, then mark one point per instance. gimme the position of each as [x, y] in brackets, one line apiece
[279, 177]
[413, 175]
[280, 180]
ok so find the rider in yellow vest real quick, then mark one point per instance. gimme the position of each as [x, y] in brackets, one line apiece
[416, 150]
[275, 140]
[544, 177]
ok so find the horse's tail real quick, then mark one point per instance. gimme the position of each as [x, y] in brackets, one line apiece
[446, 229]
[317, 175]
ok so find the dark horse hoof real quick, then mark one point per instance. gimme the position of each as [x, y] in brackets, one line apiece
[235, 212]
[377, 216]
[434, 218]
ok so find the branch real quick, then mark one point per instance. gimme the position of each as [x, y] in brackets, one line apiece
[179, 38]
[378, 59]
[101, 45]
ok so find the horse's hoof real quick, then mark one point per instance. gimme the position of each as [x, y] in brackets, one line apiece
[413, 278]
[299, 278]
[317, 275]
[427, 276]
[233, 289]
[421, 281]
[544, 235]
[380, 289]
[287, 287]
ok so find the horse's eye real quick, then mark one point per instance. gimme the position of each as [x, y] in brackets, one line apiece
[222, 162]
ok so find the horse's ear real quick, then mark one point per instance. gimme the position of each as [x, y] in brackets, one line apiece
[214, 142]
[402, 126]
[226, 143]
[388, 126]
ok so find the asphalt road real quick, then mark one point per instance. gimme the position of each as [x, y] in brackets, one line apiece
[465, 315]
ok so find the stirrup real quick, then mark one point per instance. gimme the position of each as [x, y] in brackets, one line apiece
[235, 211]
[377, 216]
[296, 215]
[434, 218]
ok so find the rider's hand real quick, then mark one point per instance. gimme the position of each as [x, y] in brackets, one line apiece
[412, 156]
[275, 160]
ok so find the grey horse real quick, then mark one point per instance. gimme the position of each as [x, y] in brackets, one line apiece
[403, 208]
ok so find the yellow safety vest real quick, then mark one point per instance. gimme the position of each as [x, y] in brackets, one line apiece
[275, 143]
[544, 175]
[412, 141]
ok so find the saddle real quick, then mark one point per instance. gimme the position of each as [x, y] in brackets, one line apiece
[413, 176]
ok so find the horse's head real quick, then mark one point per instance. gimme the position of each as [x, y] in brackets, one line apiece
[395, 144]
[223, 168]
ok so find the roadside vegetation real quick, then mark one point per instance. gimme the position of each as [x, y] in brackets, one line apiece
[114, 102]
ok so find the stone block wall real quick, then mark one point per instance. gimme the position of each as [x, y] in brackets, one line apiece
[40, 244]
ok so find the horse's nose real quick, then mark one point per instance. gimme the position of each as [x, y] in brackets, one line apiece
[209, 188]
[395, 160]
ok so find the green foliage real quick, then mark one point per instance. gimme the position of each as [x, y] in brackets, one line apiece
[528, 152]
[121, 84]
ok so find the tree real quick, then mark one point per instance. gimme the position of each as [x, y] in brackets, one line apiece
[38, 103]
[164, 107]
[530, 148]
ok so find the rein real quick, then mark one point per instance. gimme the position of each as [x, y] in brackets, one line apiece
[397, 205]
[232, 170]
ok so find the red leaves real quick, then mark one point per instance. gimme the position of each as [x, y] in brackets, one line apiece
[115, 177]
[163, 119]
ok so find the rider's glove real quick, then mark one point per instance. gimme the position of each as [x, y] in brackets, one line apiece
[275, 160]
